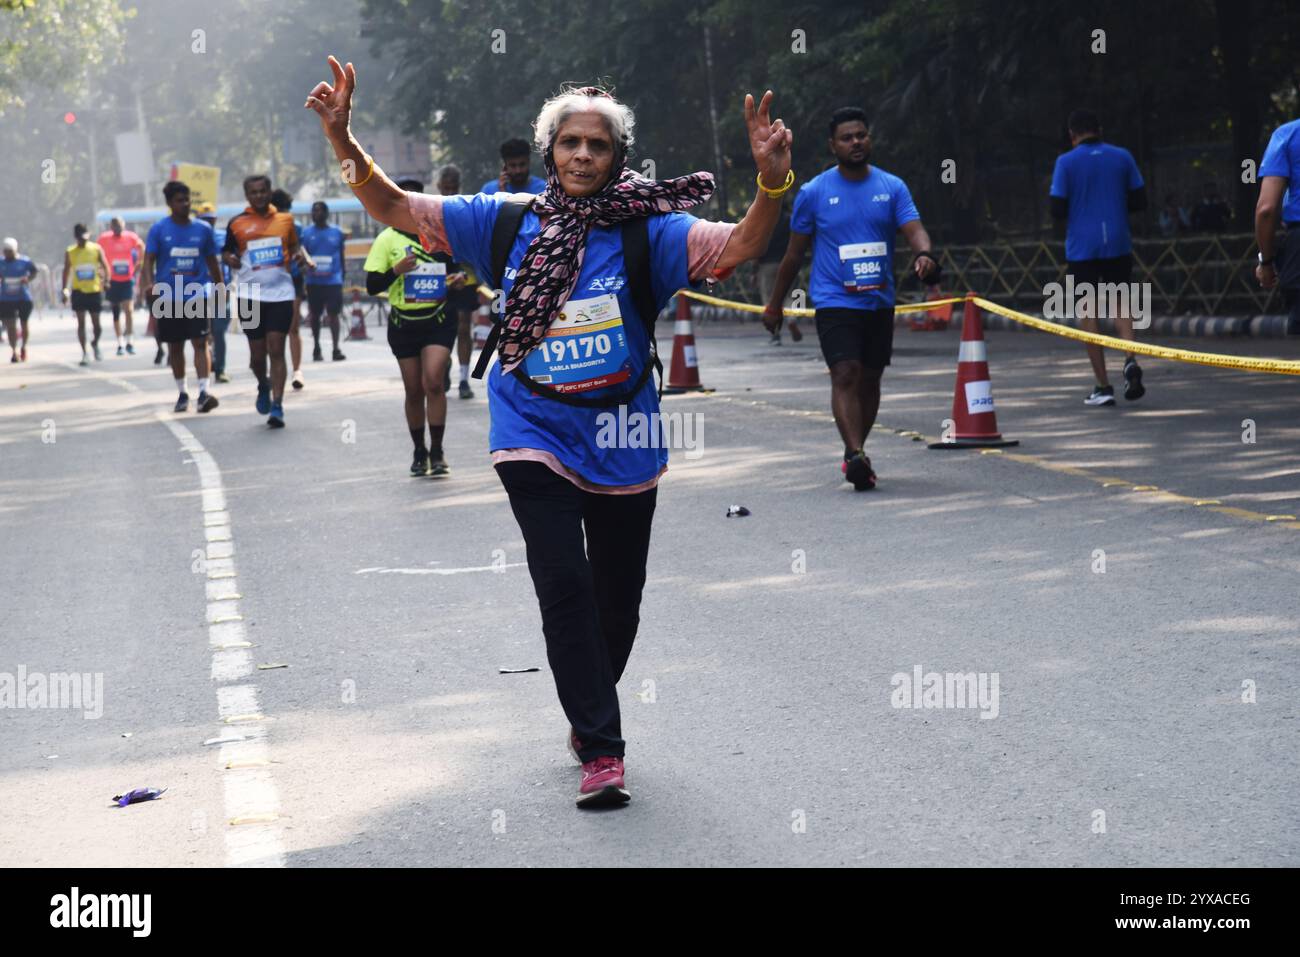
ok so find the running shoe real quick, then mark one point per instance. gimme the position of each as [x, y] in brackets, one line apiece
[182, 402]
[796, 334]
[85, 360]
[1101, 395]
[130, 349]
[316, 355]
[207, 402]
[99, 356]
[159, 356]
[276, 419]
[420, 464]
[438, 466]
[338, 356]
[23, 354]
[574, 745]
[858, 471]
[297, 379]
[121, 351]
[222, 377]
[602, 783]
[465, 391]
[775, 340]
[14, 357]
[263, 404]
[1133, 388]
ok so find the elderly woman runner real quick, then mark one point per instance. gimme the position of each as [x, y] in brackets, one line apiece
[573, 344]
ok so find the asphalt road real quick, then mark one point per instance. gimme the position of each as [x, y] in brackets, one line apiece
[759, 704]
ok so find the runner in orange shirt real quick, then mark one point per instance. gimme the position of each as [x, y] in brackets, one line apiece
[124, 250]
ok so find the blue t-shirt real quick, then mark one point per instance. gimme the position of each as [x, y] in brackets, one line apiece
[852, 225]
[295, 270]
[535, 185]
[220, 236]
[12, 271]
[325, 244]
[1282, 158]
[522, 419]
[1096, 178]
[181, 253]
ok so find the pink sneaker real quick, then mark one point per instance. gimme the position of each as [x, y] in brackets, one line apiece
[602, 783]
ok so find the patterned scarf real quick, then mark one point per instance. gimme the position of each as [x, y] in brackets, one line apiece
[553, 260]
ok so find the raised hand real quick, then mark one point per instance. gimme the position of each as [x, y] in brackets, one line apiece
[769, 141]
[333, 104]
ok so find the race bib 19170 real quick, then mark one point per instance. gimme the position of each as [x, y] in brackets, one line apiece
[585, 348]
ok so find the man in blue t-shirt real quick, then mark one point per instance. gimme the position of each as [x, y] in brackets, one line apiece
[180, 256]
[1279, 199]
[220, 313]
[515, 177]
[324, 243]
[849, 215]
[16, 274]
[1094, 188]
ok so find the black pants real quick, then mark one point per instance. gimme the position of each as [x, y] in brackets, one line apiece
[589, 589]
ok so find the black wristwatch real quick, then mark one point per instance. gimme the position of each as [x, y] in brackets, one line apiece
[1266, 262]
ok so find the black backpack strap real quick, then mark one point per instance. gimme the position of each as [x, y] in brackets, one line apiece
[636, 260]
[509, 218]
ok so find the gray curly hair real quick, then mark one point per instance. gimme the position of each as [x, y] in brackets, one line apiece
[618, 116]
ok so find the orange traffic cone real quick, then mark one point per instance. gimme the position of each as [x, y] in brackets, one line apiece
[684, 375]
[933, 319]
[358, 330]
[976, 424]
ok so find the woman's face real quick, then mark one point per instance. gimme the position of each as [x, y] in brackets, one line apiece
[583, 153]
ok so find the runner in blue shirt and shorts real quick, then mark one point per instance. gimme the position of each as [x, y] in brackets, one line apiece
[1094, 188]
[849, 215]
[1279, 198]
[324, 243]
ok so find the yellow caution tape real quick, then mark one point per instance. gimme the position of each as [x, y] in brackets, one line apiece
[805, 313]
[1245, 363]
[1219, 360]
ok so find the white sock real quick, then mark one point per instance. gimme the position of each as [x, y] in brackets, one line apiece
[180, 385]
[119, 340]
[203, 385]
[464, 375]
[128, 338]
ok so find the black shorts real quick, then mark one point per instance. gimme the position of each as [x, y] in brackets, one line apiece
[857, 335]
[16, 309]
[183, 328]
[408, 337]
[324, 299]
[121, 291]
[256, 319]
[299, 286]
[463, 299]
[86, 302]
[1095, 271]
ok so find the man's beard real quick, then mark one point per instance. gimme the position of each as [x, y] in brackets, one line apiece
[856, 164]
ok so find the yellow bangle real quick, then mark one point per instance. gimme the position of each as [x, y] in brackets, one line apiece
[369, 173]
[776, 193]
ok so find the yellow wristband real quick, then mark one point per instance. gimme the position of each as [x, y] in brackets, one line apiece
[369, 173]
[776, 193]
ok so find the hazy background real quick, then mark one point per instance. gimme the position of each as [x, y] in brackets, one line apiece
[1192, 88]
